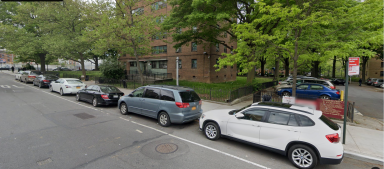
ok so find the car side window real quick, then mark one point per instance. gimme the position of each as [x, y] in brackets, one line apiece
[96, 88]
[138, 92]
[167, 95]
[316, 87]
[278, 118]
[292, 121]
[62, 81]
[254, 115]
[152, 93]
[90, 87]
[302, 87]
[305, 121]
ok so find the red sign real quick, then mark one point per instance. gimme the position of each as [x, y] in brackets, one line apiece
[331, 108]
[354, 66]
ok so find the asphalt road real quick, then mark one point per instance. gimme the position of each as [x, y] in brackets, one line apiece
[43, 130]
[368, 99]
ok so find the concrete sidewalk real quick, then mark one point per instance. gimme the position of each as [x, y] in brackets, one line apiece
[361, 143]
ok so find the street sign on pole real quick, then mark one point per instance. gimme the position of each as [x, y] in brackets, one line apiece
[354, 66]
[345, 106]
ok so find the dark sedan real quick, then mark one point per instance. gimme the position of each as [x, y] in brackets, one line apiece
[338, 81]
[44, 80]
[100, 95]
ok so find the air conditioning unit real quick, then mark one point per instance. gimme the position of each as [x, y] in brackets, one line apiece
[178, 50]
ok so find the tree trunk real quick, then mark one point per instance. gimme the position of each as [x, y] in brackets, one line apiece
[42, 62]
[295, 58]
[251, 75]
[365, 60]
[277, 68]
[315, 69]
[138, 66]
[82, 65]
[334, 67]
[96, 63]
[262, 63]
[286, 66]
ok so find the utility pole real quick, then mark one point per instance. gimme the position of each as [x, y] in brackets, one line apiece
[345, 101]
[177, 71]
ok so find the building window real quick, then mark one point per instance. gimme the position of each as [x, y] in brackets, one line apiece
[381, 73]
[160, 35]
[194, 29]
[159, 49]
[217, 47]
[225, 49]
[225, 34]
[159, 5]
[382, 64]
[179, 30]
[194, 47]
[132, 64]
[231, 49]
[180, 64]
[194, 63]
[225, 66]
[163, 64]
[138, 11]
[153, 63]
[178, 50]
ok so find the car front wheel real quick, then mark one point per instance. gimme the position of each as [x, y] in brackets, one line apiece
[164, 119]
[286, 94]
[123, 109]
[212, 131]
[61, 92]
[325, 97]
[302, 156]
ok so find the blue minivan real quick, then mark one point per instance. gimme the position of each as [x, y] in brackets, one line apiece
[167, 104]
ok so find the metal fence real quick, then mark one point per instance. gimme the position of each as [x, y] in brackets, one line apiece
[266, 96]
[350, 111]
[151, 76]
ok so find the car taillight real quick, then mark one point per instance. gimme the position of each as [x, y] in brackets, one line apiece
[200, 102]
[104, 96]
[337, 92]
[375, 82]
[333, 138]
[182, 105]
[31, 76]
[332, 87]
[66, 86]
[45, 80]
[279, 83]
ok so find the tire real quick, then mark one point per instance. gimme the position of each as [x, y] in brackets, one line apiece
[94, 102]
[50, 88]
[302, 156]
[212, 131]
[78, 97]
[124, 109]
[163, 119]
[286, 94]
[61, 92]
[325, 97]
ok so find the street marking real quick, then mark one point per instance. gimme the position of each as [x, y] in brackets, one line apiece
[5, 86]
[216, 150]
[17, 86]
[139, 131]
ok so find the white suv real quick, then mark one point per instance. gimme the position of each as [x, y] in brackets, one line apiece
[301, 133]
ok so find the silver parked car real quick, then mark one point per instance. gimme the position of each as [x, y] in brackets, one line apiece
[167, 104]
[377, 82]
[29, 76]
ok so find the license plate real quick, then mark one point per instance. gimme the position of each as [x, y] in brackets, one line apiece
[193, 108]
[78, 87]
[115, 96]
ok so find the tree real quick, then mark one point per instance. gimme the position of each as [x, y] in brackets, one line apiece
[112, 68]
[124, 28]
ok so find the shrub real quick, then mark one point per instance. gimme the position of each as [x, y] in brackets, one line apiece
[112, 68]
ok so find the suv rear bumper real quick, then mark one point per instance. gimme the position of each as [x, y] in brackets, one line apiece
[331, 160]
[181, 118]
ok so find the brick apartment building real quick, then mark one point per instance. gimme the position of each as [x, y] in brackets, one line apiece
[196, 62]
[374, 68]
[6, 57]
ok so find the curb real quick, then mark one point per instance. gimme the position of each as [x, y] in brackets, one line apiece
[365, 158]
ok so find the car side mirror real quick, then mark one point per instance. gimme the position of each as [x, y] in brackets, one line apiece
[130, 95]
[239, 115]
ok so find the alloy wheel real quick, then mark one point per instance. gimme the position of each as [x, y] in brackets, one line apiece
[302, 157]
[286, 94]
[325, 97]
[211, 131]
[77, 97]
[94, 102]
[123, 109]
[163, 119]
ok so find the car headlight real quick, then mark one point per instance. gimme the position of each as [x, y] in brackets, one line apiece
[202, 116]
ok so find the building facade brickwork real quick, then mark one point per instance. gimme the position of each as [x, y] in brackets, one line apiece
[374, 68]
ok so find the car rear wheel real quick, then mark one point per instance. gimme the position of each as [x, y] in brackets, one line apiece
[164, 119]
[123, 109]
[325, 97]
[286, 94]
[302, 156]
[61, 92]
[77, 97]
[94, 102]
[212, 131]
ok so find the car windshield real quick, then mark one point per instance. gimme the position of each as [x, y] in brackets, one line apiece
[74, 82]
[109, 89]
[35, 73]
[189, 96]
[238, 110]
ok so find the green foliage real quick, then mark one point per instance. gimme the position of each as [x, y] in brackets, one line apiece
[112, 68]
[29, 67]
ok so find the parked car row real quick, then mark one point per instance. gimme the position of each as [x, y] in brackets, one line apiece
[302, 134]
[375, 82]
